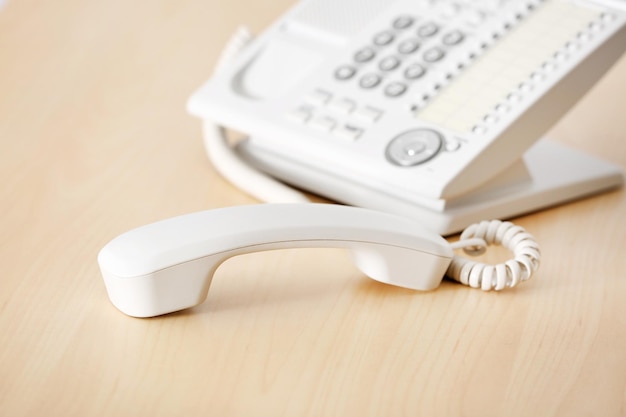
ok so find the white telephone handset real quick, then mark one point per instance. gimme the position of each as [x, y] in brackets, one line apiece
[168, 266]
[426, 108]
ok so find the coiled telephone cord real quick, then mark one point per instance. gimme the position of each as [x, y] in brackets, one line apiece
[497, 277]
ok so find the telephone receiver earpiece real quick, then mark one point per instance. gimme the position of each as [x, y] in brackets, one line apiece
[168, 265]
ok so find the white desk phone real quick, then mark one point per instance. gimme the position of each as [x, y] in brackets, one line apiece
[424, 108]
[428, 110]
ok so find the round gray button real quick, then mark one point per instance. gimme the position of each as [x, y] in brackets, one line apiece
[364, 55]
[370, 80]
[433, 54]
[428, 29]
[414, 71]
[403, 22]
[453, 38]
[384, 38]
[395, 89]
[389, 63]
[414, 147]
[345, 72]
[408, 46]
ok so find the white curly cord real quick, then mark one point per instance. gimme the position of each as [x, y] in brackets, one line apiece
[504, 275]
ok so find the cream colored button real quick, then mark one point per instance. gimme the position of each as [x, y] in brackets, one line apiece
[368, 113]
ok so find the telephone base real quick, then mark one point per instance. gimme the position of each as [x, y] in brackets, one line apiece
[554, 174]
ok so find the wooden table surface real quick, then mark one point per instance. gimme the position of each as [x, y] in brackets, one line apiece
[95, 140]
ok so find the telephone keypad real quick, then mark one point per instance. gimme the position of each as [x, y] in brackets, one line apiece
[379, 69]
[375, 70]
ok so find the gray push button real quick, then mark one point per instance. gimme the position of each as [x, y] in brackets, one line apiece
[414, 147]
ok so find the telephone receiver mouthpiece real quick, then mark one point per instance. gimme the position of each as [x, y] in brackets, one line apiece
[168, 266]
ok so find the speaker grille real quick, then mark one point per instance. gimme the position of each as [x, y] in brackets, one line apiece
[343, 18]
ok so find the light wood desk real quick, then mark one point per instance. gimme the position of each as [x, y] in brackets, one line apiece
[95, 140]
